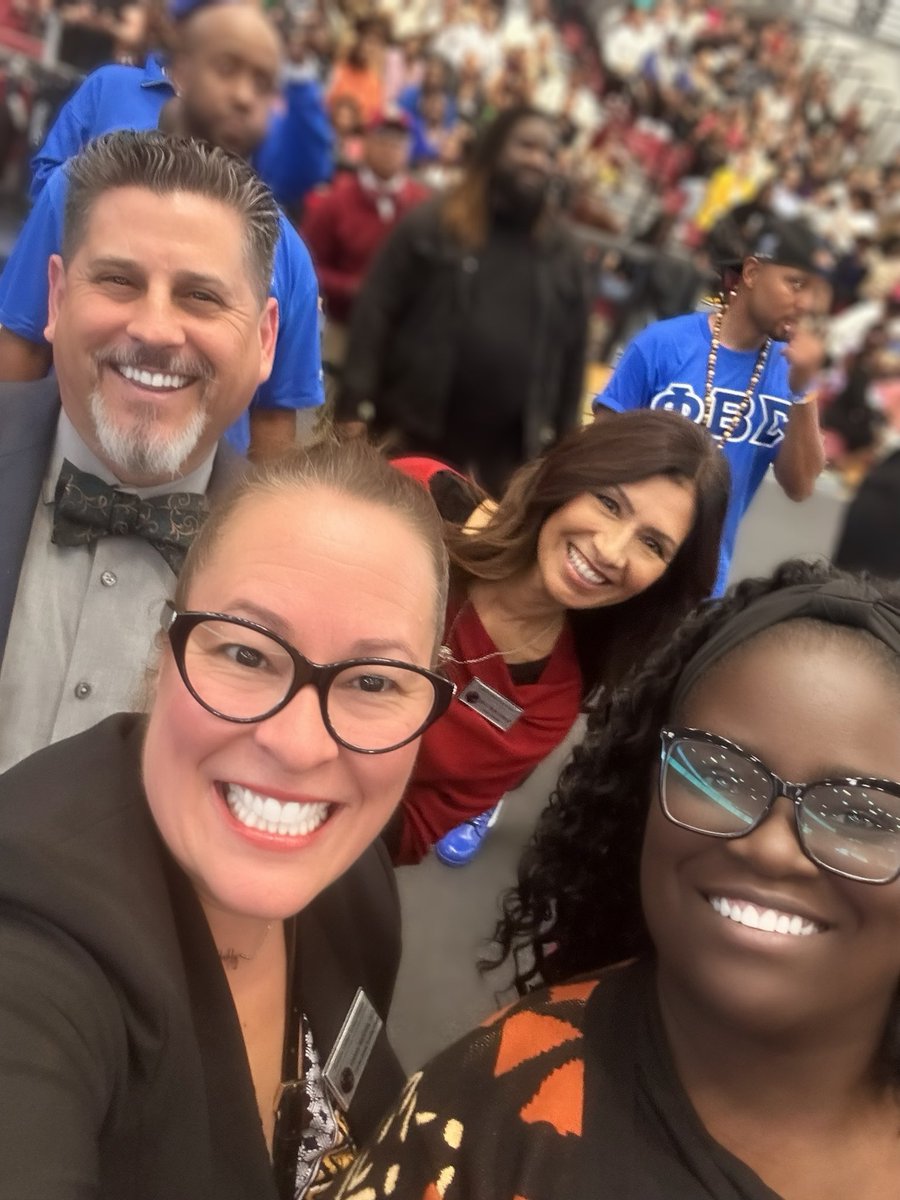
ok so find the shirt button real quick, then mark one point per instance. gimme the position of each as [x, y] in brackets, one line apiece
[82, 690]
[108, 579]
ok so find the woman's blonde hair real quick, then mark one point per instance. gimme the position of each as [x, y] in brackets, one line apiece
[348, 468]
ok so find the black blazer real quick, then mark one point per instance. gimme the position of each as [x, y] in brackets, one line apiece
[122, 1066]
[28, 417]
[870, 538]
[406, 320]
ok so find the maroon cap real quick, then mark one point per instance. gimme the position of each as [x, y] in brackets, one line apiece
[390, 117]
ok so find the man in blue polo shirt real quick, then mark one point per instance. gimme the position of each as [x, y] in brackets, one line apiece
[745, 372]
[292, 155]
[230, 108]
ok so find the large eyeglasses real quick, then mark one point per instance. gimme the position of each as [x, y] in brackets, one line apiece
[848, 826]
[243, 672]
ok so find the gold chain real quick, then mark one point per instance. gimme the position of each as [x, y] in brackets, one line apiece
[445, 654]
[232, 958]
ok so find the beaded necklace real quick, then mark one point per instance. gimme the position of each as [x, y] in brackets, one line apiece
[747, 398]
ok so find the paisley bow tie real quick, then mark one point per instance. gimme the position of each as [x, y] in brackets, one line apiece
[86, 508]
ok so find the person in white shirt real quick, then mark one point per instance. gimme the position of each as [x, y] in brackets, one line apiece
[627, 43]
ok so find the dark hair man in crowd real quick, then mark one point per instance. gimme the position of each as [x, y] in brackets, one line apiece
[346, 224]
[746, 371]
[162, 328]
[228, 69]
[467, 340]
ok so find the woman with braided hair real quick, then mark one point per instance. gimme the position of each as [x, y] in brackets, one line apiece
[713, 899]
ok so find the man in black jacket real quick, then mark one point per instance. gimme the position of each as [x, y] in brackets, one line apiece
[467, 340]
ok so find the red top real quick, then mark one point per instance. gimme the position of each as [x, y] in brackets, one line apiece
[466, 764]
[343, 229]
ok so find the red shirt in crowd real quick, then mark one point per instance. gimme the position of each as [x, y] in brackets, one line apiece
[345, 225]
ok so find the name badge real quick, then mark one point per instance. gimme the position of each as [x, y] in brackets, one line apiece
[500, 711]
[351, 1049]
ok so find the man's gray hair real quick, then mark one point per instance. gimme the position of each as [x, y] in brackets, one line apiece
[164, 164]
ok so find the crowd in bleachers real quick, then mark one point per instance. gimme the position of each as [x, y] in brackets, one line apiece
[673, 114]
[682, 122]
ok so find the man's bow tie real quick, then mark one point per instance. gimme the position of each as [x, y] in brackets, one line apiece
[86, 508]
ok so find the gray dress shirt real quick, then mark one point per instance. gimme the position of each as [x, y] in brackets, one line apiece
[84, 620]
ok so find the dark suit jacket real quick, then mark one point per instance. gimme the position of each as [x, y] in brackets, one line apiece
[122, 1065]
[28, 416]
[870, 539]
[407, 320]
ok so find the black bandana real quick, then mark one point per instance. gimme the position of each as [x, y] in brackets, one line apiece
[832, 602]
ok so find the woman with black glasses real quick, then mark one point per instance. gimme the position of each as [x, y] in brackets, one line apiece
[713, 898]
[199, 931]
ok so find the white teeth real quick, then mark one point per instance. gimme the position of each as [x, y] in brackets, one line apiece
[583, 568]
[153, 379]
[769, 920]
[264, 812]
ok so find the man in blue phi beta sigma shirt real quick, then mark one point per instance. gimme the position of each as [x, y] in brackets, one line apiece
[232, 111]
[745, 372]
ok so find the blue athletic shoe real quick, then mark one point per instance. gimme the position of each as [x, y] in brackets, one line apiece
[461, 844]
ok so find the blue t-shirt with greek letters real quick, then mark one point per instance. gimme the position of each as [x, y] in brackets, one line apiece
[665, 367]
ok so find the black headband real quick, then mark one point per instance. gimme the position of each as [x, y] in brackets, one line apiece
[832, 602]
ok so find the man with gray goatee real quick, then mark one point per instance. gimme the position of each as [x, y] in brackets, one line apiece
[162, 329]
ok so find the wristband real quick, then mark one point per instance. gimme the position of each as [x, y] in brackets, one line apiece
[801, 399]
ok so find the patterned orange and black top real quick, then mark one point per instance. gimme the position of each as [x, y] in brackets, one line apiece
[570, 1094]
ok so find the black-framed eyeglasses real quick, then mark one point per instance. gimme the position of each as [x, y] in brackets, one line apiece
[848, 826]
[243, 672]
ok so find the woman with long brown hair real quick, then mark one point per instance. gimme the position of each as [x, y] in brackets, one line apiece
[589, 561]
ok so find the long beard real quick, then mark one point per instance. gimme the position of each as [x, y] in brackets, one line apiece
[516, 204]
